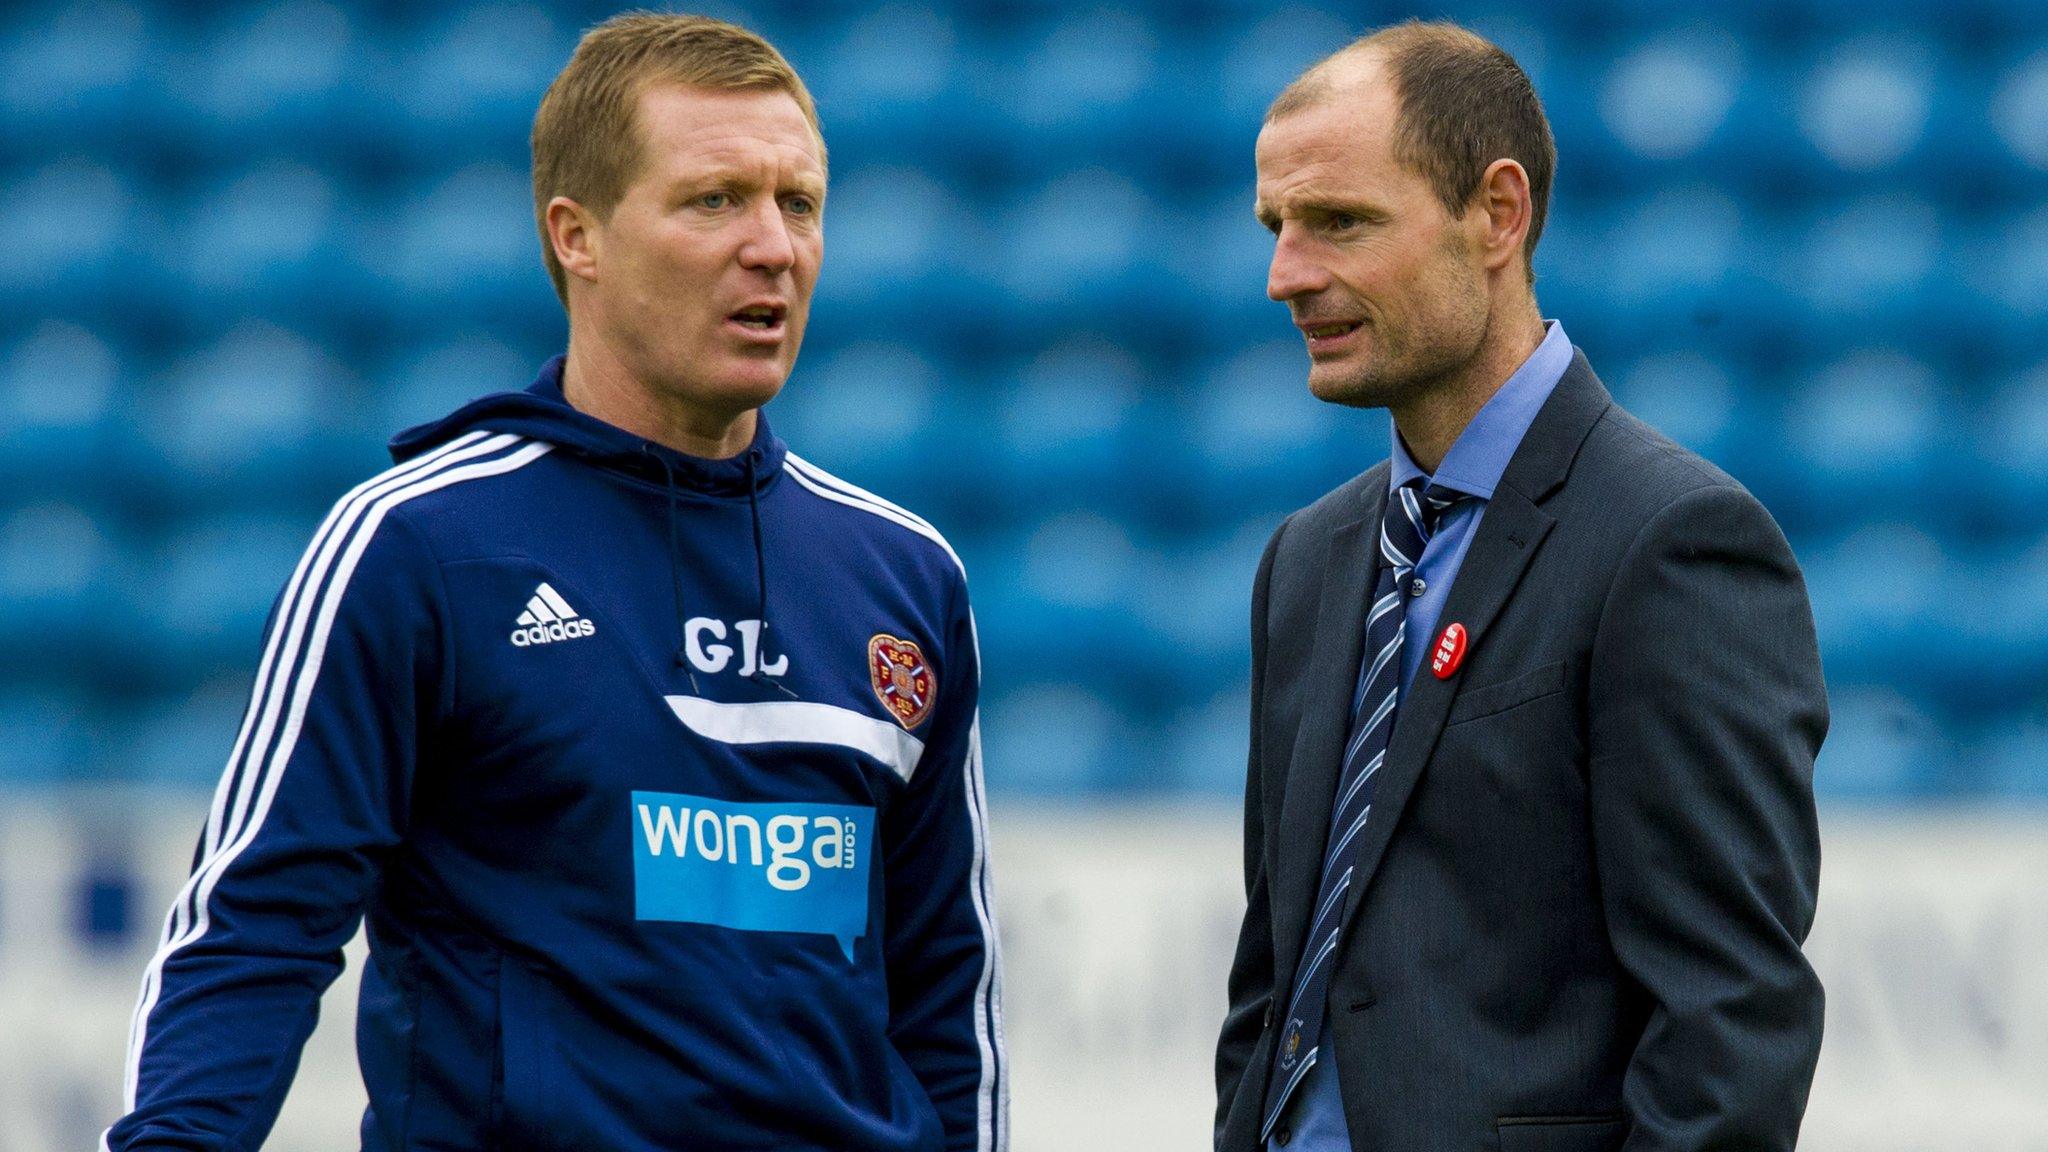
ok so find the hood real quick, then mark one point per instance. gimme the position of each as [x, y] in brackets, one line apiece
[541, 412]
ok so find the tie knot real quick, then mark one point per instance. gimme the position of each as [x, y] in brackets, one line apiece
[1436, 500]
[1412, 517]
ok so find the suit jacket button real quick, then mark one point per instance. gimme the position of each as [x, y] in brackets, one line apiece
[1268, 1021]
[1282, 1135]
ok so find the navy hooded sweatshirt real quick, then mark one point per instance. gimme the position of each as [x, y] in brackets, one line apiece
[658, 780]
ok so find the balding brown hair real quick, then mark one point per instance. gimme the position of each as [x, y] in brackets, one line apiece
[586, 143]
[1464, 104]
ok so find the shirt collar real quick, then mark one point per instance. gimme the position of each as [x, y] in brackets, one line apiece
[1481, 453]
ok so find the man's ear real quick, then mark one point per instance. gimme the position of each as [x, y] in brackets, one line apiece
[1507, 209]
[576, 236]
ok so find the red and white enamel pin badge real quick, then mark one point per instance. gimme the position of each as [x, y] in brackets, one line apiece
[1449, 651]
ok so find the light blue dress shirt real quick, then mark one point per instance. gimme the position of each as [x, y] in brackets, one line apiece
[1473, 466]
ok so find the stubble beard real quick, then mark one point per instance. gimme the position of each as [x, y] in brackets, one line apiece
[1432, 352]
[1397, 373]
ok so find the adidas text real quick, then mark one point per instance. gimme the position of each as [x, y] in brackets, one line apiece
[549, 633]
[549, 618]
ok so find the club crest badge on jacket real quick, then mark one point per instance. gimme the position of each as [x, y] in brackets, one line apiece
[901, 678]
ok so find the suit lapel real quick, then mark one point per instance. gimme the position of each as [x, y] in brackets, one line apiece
[1507, 538]
[1509, 534]
[1350, 569]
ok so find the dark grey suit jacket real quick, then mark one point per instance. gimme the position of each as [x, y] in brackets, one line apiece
[1593, 857]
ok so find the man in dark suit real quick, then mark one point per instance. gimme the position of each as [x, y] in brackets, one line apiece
[1530, 846]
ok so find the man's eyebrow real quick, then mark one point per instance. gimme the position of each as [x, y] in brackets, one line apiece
[810, 183]
[1314, 206]
[1360, 208]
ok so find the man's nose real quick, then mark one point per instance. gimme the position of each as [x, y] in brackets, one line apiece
[1293, 273]
[768, 246]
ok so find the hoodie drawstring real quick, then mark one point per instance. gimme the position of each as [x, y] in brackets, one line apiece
[675, 563]
[761, 584]
[675, 568]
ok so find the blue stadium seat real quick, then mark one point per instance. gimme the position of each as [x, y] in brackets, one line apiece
[472, 78]
[1868, 432]
[1059, 739]
[1197, 605]
[2019, 110]
[1215, 78]
[1255, 442]
[2005, 629]
[209, 586]
[267, 241]
[1885, 602]
[1865, 105]
[2013, 759]
[916, 86]
[888, 86]
[73, 76]
[2013, 443]
[466, 250]
[1083, 249]
[57, 573]
[1069, 433]
[1692, 397]
[1891, 103]
[430, 381]
[58, 385]
[1767, 155]
[1052, 599]
[71, 247]
[1881, 746]
[1077, 569]
[900, 245]
[1866, 264]
[1664, 105]
[260, 417]
[287, 74]
[1204, 745]
[104, 899]
[1966, 161]
[866, 413]
[1223, 270]
[1958, 158]
[1097, 86]
[1684, 258]
[1260, 56]
[2009, 260]
[184, 740]
[44, 735]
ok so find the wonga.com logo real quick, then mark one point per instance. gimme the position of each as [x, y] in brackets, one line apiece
[754, 867]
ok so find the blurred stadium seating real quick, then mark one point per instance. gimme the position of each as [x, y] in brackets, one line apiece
[249, 241]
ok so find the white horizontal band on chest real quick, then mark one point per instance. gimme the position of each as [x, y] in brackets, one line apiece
[801, 722]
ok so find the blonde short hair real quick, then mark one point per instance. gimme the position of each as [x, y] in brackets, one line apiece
[585, 142]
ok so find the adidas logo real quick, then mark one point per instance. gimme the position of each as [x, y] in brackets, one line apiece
[549, 618]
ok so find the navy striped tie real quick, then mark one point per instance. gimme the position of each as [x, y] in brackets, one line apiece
[1404, 530]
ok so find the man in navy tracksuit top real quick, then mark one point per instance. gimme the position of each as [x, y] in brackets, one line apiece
[648, 749]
